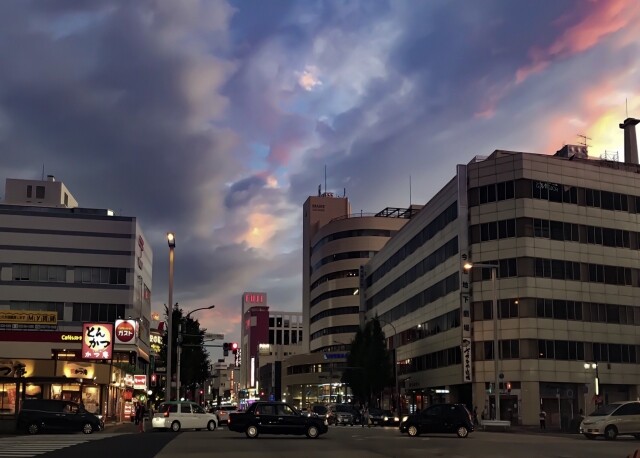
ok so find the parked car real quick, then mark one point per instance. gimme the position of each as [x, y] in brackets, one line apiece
[613, 420]
[439, 418]
[177, 415]
[223, 412]
[275, 418]
[39, 415]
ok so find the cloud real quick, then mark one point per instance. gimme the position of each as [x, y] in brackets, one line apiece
[308, 79]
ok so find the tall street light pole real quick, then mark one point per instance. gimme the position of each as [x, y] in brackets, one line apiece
[171, 240]
[496, 349]
[187, 316]
[596, 382]
[395, 366]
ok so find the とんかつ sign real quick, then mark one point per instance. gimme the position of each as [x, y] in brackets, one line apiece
[97, 340]
[125, 331]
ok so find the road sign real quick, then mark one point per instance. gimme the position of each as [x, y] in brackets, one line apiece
[214, 336]
[161, 369]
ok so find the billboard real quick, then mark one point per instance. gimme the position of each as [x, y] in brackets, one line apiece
[97, 340]
[27, 317]
[139, 382]
[125, 331]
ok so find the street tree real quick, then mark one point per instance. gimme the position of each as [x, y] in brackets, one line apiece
[369, 366]
[194, 360]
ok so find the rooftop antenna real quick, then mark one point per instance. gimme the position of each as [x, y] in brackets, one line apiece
[325, 178]
[626, 106]
[409, 191]
[43, 171]
[584, 140]
[319, 190]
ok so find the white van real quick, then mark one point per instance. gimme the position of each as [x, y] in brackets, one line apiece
[613, 420]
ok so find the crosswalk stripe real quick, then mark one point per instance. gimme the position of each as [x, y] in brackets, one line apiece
[30, 446]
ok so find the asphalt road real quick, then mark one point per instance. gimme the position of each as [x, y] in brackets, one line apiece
[349, 442]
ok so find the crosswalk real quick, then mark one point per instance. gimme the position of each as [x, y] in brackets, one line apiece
[27, 446]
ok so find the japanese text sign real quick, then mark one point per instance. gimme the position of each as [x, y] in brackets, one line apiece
[97, 340]
[125, 331]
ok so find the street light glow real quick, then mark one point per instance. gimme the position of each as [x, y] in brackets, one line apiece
[467, 266]
[171, 239]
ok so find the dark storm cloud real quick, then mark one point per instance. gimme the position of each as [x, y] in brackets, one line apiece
[241, 192]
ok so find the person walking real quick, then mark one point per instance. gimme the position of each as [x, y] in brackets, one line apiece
[365, 417]
[140, 417]
[543, 419]
[475, 416]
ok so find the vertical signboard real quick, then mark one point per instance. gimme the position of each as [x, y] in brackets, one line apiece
[97, 340]
[465, 275]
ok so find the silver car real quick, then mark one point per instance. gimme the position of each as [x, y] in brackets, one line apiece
[613, 420]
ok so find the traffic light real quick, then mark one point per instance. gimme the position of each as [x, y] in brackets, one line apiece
[508, 387]
[234, 348]
[154, 379]
[225, 348]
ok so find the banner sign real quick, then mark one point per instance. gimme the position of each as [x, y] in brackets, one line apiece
[27, 317]
[97, 340]
[139, 382]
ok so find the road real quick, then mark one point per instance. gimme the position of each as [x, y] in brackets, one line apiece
[350, 442]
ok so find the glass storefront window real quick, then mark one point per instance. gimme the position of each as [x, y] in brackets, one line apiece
[7, 398]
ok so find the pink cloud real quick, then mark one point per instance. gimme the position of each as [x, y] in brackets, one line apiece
[605, 18]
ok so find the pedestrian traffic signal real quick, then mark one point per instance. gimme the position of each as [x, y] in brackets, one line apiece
[234, 348]
[508, 387]
[154, 379]
[225, 348]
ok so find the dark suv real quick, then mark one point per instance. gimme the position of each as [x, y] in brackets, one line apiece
[439, 418]
[38, 415]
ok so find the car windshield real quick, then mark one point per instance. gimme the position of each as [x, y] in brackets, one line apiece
[604, 410]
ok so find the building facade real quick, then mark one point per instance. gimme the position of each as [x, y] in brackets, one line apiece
[562, 233]
[63, 266]
[336, 243]
[266, 338]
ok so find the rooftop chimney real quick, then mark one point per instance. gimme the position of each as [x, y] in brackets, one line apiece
[51, 178]
[630, 140]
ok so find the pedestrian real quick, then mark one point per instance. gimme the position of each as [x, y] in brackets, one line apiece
[475, 416]
[365, 417]
[543, 419]
[140, 417]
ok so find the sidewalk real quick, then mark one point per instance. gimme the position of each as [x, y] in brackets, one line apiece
[531, 430]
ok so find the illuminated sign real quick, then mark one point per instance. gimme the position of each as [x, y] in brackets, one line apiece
[78, 370]
[71, 337]
[27, 317]
[125, 331]
[139, 382]
[255, 298]
[128, 380]
[97, 340]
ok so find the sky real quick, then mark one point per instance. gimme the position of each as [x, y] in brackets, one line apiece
[216, 120]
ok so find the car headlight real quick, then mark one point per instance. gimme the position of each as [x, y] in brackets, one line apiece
[396, 419]
[386, 418]
[405, 418]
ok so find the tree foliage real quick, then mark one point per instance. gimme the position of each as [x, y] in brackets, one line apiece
[194, 360]
[369, 366]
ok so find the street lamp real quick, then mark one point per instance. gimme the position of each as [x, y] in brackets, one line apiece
[594, 365]
[496, 349]
[186, 317]
[171, 240]
[395, 365]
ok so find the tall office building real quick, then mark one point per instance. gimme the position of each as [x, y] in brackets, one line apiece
[562, 233]
[336, 243]
[63, 266]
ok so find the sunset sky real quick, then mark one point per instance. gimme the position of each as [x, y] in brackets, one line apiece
[216, 119]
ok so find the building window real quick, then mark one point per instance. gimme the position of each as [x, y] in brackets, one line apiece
[66, 199]
[102, 275]
[39, 273]
[29, 191]
[39, 192]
